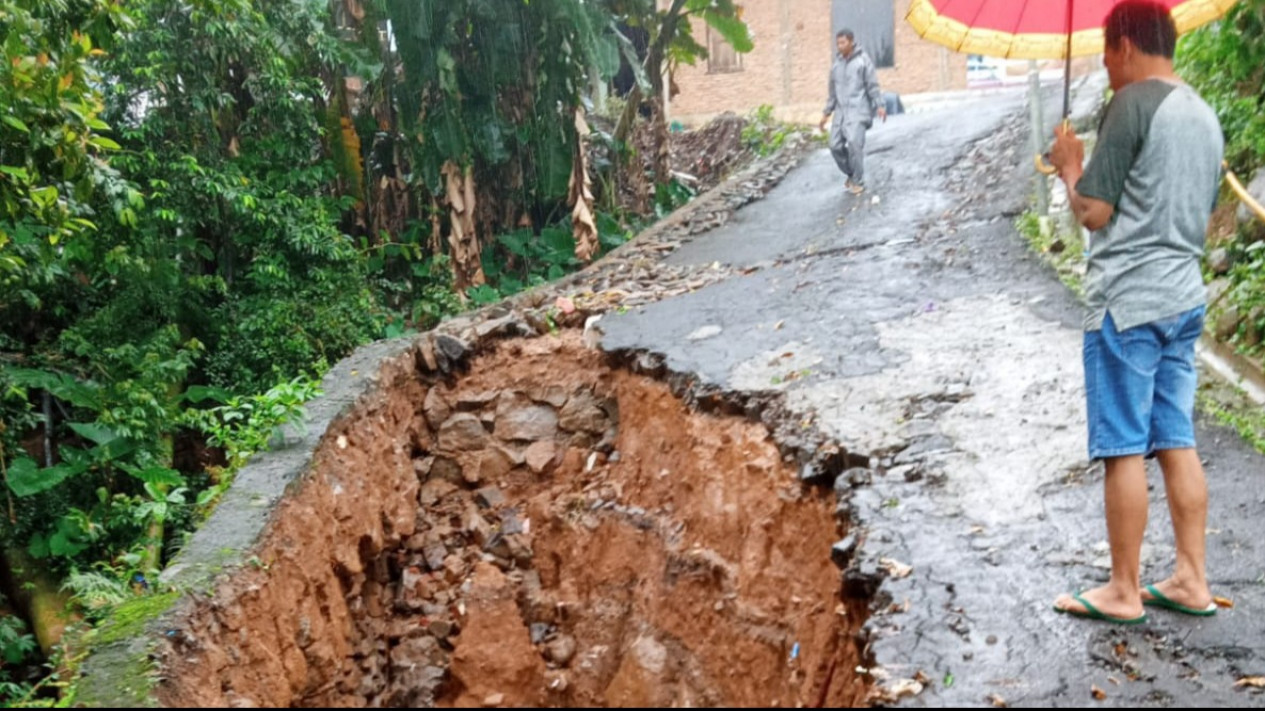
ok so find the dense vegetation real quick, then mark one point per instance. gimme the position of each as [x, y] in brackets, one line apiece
[205, 203]
[1225, 61]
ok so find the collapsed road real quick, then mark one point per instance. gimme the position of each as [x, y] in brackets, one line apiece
[502, 513]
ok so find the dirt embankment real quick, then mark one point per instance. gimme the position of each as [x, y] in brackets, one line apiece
[546, 530]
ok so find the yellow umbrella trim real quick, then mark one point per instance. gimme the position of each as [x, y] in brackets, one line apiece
[955, 35]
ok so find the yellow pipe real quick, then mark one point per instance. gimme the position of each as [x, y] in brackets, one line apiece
[1242, 194]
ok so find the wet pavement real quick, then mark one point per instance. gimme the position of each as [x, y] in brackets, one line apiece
[913, 324]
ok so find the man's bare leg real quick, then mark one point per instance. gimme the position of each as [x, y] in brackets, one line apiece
[1125, 495]
[1187, 492]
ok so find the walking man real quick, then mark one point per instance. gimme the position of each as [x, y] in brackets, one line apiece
[854, 99]
[1148, 192]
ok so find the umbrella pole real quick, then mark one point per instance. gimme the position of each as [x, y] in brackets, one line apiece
[1041, 161]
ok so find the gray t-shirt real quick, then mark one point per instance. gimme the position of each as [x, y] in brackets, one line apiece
[1158, 163]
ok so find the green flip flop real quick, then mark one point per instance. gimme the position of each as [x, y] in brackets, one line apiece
[1092, 613]
[1159, 600]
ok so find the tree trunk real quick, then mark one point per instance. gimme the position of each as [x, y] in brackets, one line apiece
[662, 148]
[583, 226]
[655, 66]
[463, 238]
[38, 596]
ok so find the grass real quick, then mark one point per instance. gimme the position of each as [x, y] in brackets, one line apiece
[1060, 246]
[1231, 407]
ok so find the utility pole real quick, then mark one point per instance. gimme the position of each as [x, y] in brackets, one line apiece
[1037, 142]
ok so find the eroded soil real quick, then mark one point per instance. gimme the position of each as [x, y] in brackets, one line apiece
[639, 555]
[545, 529]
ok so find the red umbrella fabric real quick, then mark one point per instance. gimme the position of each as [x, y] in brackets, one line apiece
[1036, 29]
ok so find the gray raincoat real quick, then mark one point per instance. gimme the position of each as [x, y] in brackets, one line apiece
[854, 99]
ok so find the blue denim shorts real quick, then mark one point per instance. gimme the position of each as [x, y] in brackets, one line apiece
[1140, 385]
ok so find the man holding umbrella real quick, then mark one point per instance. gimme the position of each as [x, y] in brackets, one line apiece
[1147, 192]
[854, 99]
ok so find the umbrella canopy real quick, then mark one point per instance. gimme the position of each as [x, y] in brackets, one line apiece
[1036, 29]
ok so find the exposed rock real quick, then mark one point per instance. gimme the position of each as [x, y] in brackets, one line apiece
[415, 588]
[561, 650]
[1219, 260]
[450, 351]
[497, 326]
[841, 552]
[442, 629]
[862, 581]
[511, 523]
[606, 444]
[462, 432]
[470, 401]
[513, 549]
[437, 488]
[539, 631]
[477, 527]
[526, 423]
[415, 651]
[489, 497]
[494, 462]
[435, 554]
[853, 478]
[422, 467]
[815, 473]
[1227, 323]
[414, 682]
[538, 605]
[540, 456]
[554, 395]
[519, 549]
[573, 459]
[454, 568]
[583, 413]
[924, 446]
[556, 681]
[436, 408]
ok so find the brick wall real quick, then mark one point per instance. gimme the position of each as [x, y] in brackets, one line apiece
[791, 61]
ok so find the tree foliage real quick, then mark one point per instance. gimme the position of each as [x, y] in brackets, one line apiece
[204, 203]
[1226, 62]
[51, 138]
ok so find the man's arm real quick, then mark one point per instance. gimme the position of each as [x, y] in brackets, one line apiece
[1068, 155]
[832, 101]
[871, 88]
[1093, 213]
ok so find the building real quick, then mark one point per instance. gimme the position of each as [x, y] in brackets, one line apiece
[794, 46]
